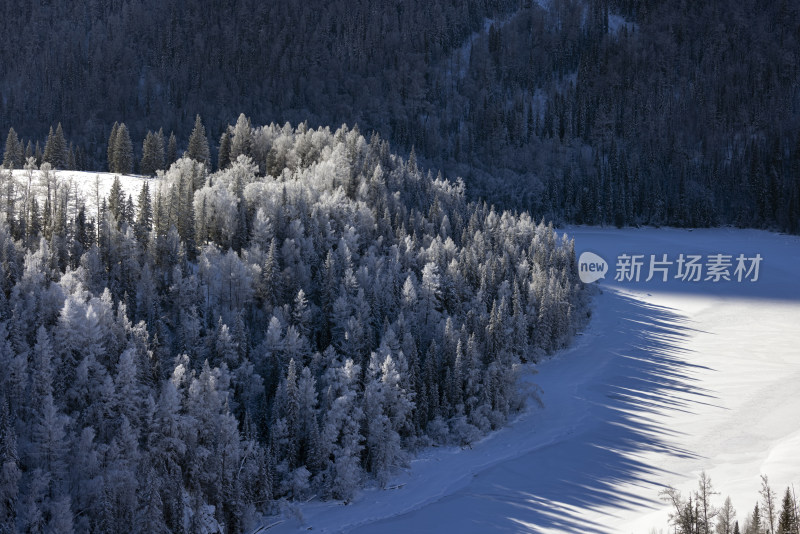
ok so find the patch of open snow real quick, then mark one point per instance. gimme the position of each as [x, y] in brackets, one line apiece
[86, 185]
[669, 379]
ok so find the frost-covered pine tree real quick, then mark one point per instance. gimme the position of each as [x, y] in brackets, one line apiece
[242, 139]
[342, 441]
[387, 411]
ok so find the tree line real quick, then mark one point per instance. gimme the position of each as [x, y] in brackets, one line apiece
[696, 514]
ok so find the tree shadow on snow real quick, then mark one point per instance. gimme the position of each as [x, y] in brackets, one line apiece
[643, 371]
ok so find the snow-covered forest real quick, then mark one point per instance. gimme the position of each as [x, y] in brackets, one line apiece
[292, 325]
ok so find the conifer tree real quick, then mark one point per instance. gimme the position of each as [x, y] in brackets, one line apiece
[198, 143]
[224, 155]
[55, 149]
[128, 213]
[116, 199]
[242, 141]
[756, 523]
[112, 147]
[81, 237]
[34, 223]
[144, 217]
[787, 520]
[152, 153]
[159, 149]
[172, 151]
[14, 156]
[10, 473]
[123, 151]
[149, 165]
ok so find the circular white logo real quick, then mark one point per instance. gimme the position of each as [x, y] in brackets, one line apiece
[591, 267]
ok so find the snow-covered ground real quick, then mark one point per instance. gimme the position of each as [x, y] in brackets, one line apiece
[86, 184]
[670, 378]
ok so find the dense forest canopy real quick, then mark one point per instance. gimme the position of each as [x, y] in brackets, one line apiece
[592, 111]
[292, 325]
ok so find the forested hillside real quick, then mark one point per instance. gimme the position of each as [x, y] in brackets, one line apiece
[182, 361]
[592, 111]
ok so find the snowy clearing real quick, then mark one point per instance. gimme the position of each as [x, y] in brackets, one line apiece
[670, 378]
[83, 183]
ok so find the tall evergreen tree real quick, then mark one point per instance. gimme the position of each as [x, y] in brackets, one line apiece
[242, 142]
[172, 150]
[123, 151]
[116, 199]
[34, 223]
[14, 155]
[756, 523]
[144, 217]
[159, 149]
[787, 520]
[81, 237]
[149, 163]
[224, 154]
[55, 149]
[198, 143]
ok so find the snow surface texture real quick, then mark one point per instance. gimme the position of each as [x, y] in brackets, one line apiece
[668, 380]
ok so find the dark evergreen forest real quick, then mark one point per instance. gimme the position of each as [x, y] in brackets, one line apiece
[596, 111]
